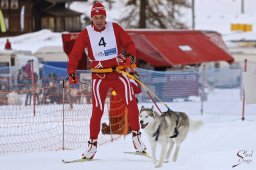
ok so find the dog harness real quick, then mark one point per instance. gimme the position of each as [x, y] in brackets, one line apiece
[176, 132]
[157, 133]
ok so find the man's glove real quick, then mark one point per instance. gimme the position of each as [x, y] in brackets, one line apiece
[72, 78]
[129, 60]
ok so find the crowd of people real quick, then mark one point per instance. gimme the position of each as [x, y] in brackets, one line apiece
[45, 90]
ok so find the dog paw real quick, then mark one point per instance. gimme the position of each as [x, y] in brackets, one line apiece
[154, 162]
[158, 166]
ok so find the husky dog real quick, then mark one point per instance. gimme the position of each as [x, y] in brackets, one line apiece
[166, 129]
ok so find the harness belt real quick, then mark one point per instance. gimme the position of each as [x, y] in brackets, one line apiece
[110, 70]
[156, 134]
[176, 132]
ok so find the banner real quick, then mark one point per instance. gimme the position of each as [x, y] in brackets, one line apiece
[22, 18]
[249, 84]
[2, 22]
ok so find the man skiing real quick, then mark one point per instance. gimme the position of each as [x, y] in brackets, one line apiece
[104, 42]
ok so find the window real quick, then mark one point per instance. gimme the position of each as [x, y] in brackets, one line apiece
[4, 4]
[48, 23]
[59, 26]
[14, 24]
[4, 64]
[216, 65]
[76, 24]
[51, 23]
[12, 60]
[44, 23]
[14, 4]
[68, 24]
[72, 23]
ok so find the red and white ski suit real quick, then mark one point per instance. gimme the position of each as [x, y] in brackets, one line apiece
[104, 51]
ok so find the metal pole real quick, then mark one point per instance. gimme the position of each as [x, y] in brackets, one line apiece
[243, 104]
[242, 6]
[33, 87]
[63, 114]
[202, 93]
[193, 14]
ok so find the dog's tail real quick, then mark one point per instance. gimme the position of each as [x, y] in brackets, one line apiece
[195, 125]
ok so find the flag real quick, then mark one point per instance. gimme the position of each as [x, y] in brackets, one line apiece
[249, 84]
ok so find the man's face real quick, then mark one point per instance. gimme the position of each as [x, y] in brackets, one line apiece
[99, 21]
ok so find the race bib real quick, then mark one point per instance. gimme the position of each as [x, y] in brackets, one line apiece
[103, 43]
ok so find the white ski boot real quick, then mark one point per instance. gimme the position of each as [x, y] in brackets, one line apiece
[91, 150]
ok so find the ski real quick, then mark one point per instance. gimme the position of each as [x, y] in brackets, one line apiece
[76, 160]
[139, 153]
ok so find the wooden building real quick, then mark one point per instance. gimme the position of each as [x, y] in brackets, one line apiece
[23, 16]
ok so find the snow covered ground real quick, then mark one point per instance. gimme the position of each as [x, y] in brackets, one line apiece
[222, 142]
[213, 147]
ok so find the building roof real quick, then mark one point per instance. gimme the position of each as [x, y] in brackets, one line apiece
[170, 48]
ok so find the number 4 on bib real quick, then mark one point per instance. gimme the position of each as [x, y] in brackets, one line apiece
[102, 42]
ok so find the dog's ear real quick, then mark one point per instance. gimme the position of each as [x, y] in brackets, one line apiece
[154, 113]
[152, 108]
[142, 108]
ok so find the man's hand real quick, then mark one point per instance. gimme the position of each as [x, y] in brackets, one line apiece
[72, 78]
[129, 60]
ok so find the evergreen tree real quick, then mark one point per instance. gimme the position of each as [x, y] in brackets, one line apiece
[154, 14]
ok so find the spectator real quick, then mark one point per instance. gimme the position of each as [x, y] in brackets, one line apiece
[21, 77]
[28, 69]
[8, 45]
[28, 74]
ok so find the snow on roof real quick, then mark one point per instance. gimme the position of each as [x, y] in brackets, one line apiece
[34, 41]
[49, 49]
